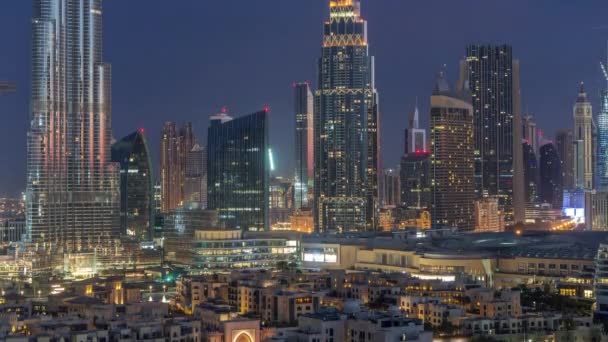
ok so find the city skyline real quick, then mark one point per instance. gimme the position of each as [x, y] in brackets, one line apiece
[142, 109]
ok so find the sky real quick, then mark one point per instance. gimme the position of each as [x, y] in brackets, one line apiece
[182, 60]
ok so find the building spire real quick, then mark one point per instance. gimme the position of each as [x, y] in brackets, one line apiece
[582, 95]
[414, 122]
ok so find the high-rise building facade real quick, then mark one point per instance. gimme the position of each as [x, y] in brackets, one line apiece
[596, 210]
[565, 148]
[530, 173]
[415, 137]
[583, 141]
[415, 174]
[194, 176]
[488, 217]
[136, 185]
[346, 125]
[551, 189]
[492, 76]
[602, 137]
[238, 170]
[452, 159]
[391, 190]
[72, 191]
[529, 132]
[175, 145]
[304, 173]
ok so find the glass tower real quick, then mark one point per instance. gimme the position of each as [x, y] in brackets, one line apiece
[346, 125]
[551, 190]
[304, 173]
[492, 76]
[136, 185]
[583, 141]
[72, 186]
[238, 163]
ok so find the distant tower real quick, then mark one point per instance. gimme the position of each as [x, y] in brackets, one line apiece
[174, 150]
[492, 75]
[529, 133]
[391, 189]
[452, 158]
[565, 148]
[304, 173]
[530, 172]
[415, 137]
[193, 187]
[583, 141]
[551, 190]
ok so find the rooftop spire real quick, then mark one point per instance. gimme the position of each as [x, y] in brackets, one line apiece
[582, 95]
[414, 123]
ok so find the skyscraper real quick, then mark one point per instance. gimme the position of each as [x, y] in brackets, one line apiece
[304, 173]
[415, 174]
[391, 190]
[194, 174]
[174, 149]
[551, 190]
[346, 125]
[136, 185]
[238, 170]
[565, 149]
[72, 185]
[530, 173]
[529, 133]
[583, 141]
[492, 75]
[415, 137]
[602, 139]
[452, 159]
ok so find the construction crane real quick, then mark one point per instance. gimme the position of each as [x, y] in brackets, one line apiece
[7, 87]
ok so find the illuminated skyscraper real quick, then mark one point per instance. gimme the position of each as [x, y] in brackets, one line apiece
[136, 185]
[174, 149]
[238, 164]
[565, 148]
[530, 173]
[72, 185]
[551, 190]
[583, 141]
[415, 174]
[602, 139]
[492, 76]
[304, 173]
[391, 190]
[346, 125]
[415, 137]
[529, 133]
[194, 174]
[452, 159]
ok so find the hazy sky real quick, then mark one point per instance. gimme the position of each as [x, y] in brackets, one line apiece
[182, 60]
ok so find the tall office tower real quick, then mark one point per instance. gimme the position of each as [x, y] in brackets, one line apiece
[280, 193]
[304, 173]
[72, 186]
[238, 170]
[136, 185]
[174, 148]
[551, 190]
[415, 137]
[602, 139]
[530, 173]
[391, 189]
[529, 132]
[452, 159]
[492, 75]
[565, 148]
[346, 125]
[583, 141]
[415, 174]
[204, 180]
[194, 174]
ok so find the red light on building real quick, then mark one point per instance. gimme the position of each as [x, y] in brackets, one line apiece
[266, 109]
[142, 130]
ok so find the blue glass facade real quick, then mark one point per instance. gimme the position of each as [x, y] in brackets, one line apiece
[136, 185]
[238, 170]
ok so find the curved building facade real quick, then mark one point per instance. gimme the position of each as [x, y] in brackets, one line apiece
[136, 185]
